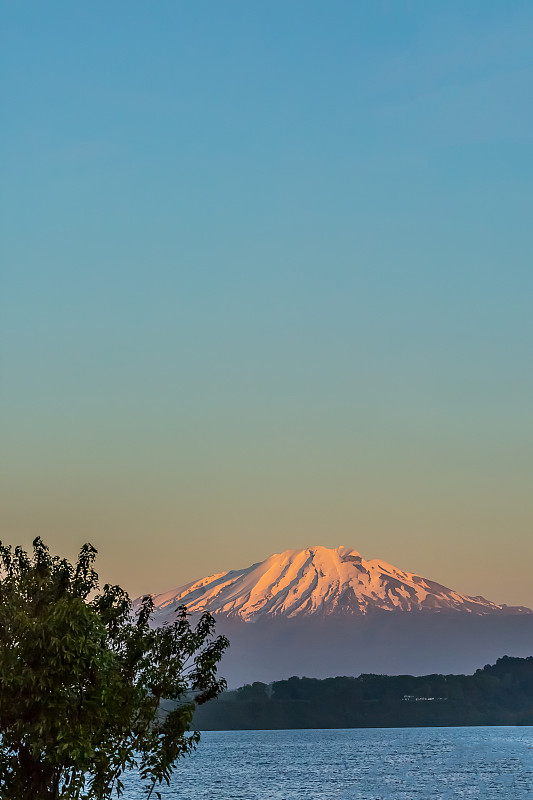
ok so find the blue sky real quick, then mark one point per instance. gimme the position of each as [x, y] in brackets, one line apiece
[267, 283]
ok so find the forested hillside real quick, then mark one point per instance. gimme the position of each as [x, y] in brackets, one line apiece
[501, 694]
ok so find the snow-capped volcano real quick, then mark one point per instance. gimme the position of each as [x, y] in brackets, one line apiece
[318, 581]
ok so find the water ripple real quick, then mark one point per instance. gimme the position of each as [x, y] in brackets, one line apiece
[372, 764]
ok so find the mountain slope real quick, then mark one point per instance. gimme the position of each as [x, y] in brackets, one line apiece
[318, 582]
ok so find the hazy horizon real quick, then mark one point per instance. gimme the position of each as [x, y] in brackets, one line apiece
[268, 283]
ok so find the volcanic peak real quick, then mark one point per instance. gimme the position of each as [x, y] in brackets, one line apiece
[318, 581]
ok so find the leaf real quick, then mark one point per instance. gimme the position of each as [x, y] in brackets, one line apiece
[82, 680]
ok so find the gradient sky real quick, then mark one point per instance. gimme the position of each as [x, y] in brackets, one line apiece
[267, 282]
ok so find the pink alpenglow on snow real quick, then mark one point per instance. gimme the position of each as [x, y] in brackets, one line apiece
[318, 581]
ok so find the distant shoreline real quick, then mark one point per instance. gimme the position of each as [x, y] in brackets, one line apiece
[497, 695]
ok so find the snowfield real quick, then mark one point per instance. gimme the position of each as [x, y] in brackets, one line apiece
[318, 581]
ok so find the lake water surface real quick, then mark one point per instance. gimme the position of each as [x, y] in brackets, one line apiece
[371, 764]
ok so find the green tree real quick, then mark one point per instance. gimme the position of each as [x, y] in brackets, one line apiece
[82, 678]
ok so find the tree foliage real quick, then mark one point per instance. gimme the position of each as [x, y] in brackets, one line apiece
[82, 678]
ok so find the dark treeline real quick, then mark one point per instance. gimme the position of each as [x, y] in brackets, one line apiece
[501, 694]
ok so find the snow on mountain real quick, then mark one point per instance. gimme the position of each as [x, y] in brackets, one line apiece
[318, 581]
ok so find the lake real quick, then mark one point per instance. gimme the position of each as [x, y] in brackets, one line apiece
[493, 763]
